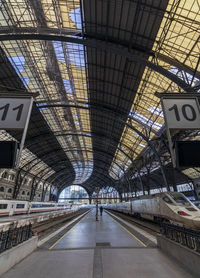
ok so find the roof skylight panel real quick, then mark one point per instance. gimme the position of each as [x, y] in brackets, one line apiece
[192, 173]
[70, 15]
[21, 13]
[53, 126]
[73, 86]
[162, 83]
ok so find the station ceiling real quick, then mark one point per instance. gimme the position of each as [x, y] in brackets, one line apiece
[96, 66]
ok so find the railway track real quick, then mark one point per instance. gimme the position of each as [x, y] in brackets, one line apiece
[146, 225]
[44, 228]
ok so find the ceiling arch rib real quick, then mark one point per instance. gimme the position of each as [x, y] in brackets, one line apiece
[113, 139]
[61, 164]
[103, 46]
[37, 124]
[64, 32]
[100, 108]
[50, 69]
[101, 180]
[107, 154]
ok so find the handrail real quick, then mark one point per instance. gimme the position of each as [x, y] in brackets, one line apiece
[181, 235]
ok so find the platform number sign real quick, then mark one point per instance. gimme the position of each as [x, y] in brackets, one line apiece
[181, 113]
[13, 112]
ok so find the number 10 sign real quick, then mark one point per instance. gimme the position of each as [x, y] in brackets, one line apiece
[181, 113]
[14, 112]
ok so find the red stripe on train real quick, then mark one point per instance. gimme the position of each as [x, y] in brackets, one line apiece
[4, 213]
[20, 211]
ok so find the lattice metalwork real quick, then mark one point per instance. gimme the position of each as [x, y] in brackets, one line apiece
[96, 65]
[28, 162]
[56, 70]
[176, 48]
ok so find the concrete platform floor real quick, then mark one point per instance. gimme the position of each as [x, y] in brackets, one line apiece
[100, 249]
[88, 232]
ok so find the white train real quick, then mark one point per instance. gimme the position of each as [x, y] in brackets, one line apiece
[172, 207]
[14, 207]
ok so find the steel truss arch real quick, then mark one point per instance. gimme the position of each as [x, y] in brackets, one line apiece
[100, 45]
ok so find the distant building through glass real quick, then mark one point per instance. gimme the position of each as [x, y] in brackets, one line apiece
[106, 195]
[74, 194]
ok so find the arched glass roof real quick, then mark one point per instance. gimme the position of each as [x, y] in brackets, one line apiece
[96, 66]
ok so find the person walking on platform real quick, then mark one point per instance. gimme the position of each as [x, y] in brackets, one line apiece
[101, 210]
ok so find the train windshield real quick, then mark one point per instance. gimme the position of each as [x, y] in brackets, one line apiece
[180, 199]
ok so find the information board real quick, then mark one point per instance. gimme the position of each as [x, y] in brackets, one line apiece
[181, 113]
[14, 112]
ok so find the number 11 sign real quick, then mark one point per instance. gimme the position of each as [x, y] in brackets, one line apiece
[181, 113]
[14, 112]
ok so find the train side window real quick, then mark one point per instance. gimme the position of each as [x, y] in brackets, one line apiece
[178, 198]
[20, 206]
[167, 200]
[3, 206]
[36, 205]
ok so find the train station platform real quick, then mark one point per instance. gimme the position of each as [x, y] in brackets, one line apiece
[97, 249]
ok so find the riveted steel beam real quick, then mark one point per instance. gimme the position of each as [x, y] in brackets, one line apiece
[94, 43]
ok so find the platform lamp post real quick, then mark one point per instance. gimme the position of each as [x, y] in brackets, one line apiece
[97, 195]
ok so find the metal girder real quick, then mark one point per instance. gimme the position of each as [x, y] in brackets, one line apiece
[177, 64]
[63, 187]
[70, 32]
[113, 111]
[108, 47]
[101, 107]
[61, 163]
[110, 180]
[90, 190]
[107, 177]
[64, 31]
[41, 158]
[107, 154]
[93, 134]
[57, 175]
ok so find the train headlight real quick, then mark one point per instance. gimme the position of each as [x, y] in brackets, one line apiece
[180, 212]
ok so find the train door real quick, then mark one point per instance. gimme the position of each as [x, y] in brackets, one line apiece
[28, 207]
[12, 208]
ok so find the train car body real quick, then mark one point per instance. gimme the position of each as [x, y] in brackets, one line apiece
[42, 207]
[62, 205]
[11, 207]
[172, 207]
[15, 207]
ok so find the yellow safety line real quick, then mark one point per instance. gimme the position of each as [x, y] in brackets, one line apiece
[131, 234]
[52, 246]
[58, 240]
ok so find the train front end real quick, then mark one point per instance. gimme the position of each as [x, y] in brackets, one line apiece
[183, 211]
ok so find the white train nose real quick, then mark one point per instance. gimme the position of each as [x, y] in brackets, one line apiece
[196, 221]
